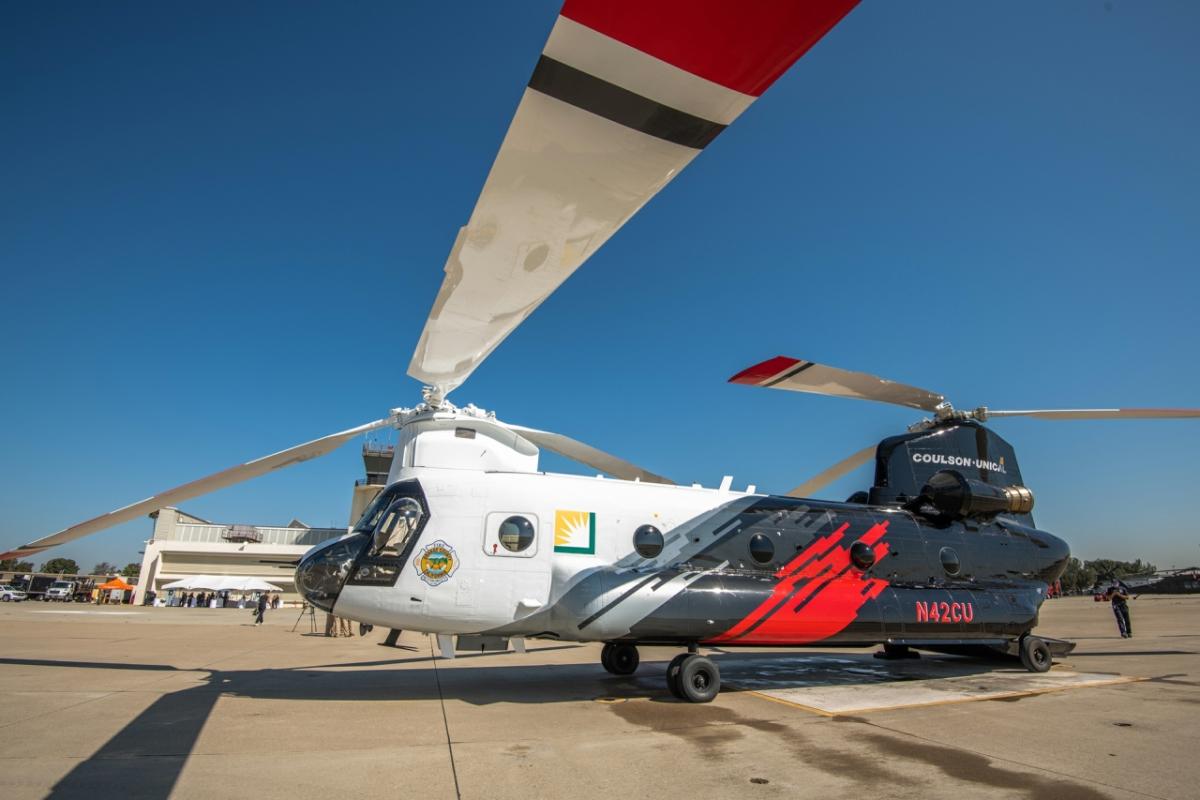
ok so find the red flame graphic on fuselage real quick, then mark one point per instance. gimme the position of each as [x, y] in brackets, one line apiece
[819, 593]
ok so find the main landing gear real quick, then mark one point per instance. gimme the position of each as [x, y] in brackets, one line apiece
[1035, 653]
[690, 676]
[693, 677]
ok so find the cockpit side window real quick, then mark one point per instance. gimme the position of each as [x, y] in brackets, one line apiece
[399, 522]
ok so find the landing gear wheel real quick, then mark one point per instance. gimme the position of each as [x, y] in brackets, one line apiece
[895, 652]
[673, 670]
[1035, 654]
[699, 679]
[620, 658]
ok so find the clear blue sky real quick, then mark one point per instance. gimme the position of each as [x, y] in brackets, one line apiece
[222, 226]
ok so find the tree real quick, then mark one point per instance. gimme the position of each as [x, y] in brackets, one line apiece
[1106, 568]
[61, 565]
[1077, 577]
[104, 568]
[12, 565]
[1082, 576]
[131, 570]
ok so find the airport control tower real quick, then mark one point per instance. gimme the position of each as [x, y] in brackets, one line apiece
[377, 460]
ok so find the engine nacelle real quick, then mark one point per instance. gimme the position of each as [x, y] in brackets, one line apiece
[951, 492]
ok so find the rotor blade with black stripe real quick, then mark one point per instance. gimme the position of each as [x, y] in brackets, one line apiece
[798, 375]
[624, 96]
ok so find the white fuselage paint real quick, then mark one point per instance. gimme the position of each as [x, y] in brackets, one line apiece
[491, 587]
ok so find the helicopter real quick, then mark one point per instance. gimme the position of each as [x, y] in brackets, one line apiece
[470, 541]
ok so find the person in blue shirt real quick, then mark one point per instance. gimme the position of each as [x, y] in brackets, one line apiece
[1118, 594]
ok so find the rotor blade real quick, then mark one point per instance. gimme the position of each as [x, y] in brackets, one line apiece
[623, 97]
[219, 480]
[796, 375]
[1102, 413]
[589, 456]
[818, 482]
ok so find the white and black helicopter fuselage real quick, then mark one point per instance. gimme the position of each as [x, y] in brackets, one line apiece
[469, 539]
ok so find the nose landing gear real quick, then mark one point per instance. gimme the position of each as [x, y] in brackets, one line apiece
[620, 658]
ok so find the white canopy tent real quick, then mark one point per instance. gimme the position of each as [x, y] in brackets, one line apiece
[218, 583]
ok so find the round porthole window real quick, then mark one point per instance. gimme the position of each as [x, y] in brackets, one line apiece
[762, 549]
[516, 534]
[950, 561]
[648, 541]
[863, 555]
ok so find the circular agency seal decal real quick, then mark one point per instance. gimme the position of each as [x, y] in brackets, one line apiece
[436, 562]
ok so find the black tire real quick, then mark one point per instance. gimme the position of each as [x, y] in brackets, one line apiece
[623, 659]
[1035, 654]
[699, 679]
[606, 656]
[673, 670]
[896, 652]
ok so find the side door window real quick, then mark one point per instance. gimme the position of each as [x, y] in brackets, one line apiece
[511, 534]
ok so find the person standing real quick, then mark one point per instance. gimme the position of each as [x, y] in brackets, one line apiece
[1119, 595]
[262, 609]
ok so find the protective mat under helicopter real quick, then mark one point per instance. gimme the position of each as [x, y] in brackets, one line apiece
[849, 684]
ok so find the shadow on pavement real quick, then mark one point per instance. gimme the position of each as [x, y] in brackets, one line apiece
[150, 751]
[1108, 654]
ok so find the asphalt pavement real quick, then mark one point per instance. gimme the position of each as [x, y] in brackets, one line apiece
[198, 703]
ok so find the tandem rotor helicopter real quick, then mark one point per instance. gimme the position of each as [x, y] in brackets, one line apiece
[470, 539]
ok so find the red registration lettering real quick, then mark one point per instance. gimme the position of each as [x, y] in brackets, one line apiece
[944, 612]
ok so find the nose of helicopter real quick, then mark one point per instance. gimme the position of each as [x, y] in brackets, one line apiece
[323, 571]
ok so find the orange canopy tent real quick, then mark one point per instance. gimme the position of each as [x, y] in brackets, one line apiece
[115, 583]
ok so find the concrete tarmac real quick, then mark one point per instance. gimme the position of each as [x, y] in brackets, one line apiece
[198, 703]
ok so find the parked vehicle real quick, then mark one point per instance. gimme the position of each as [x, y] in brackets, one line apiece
[37, 586]
[61, 590]
[9, 594]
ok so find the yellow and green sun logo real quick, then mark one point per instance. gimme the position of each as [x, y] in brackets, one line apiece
[575, 532]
